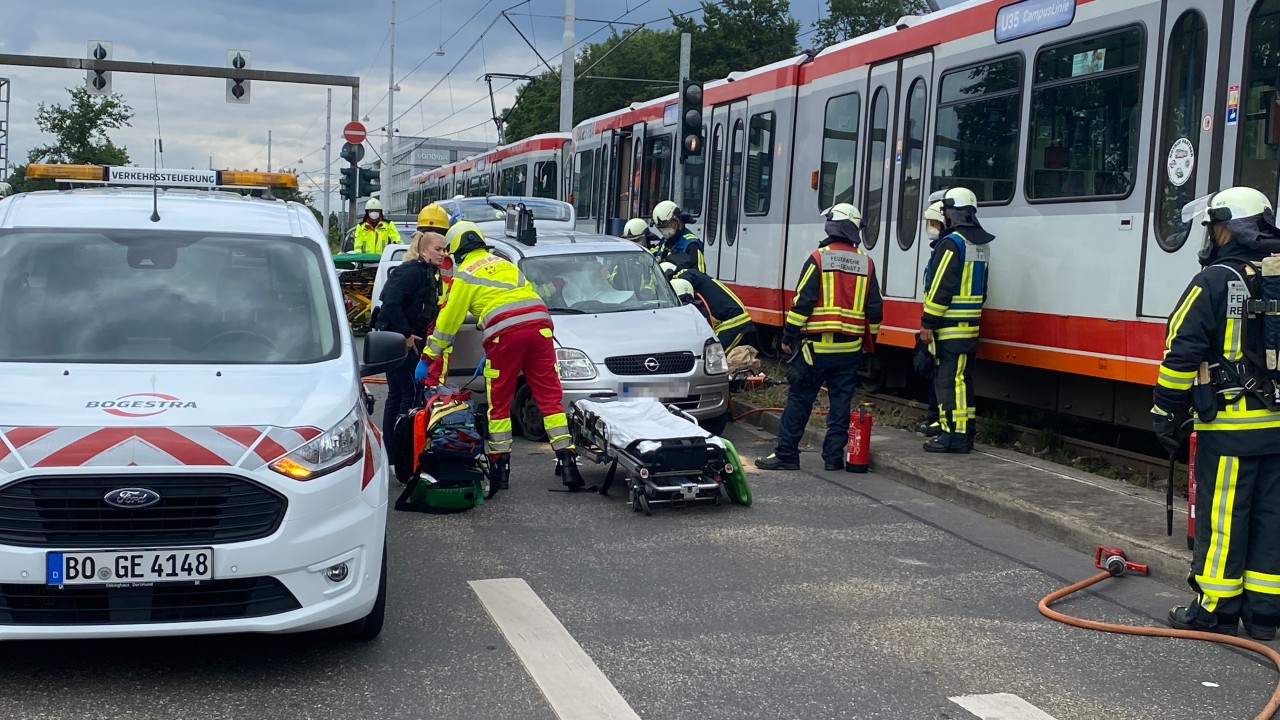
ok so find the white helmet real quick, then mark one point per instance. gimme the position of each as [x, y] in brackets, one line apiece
[844, 211]
[959, 197]
[934, 213]
[683, 288]
[668, 269]
[373, 204]
[1235, 203]
[635, 229]
[5, 189]
[665, 212]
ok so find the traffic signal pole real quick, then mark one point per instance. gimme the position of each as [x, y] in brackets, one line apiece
[677, 184]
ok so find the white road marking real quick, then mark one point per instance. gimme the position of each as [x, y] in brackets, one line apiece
[1001, 706]
[573, 685]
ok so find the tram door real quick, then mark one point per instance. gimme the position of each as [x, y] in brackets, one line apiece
[724, 188]
[1190, 161]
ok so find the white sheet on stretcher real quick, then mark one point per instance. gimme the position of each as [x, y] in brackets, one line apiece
[647, 420]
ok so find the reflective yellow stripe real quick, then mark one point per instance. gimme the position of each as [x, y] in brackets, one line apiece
[1218, 588]
[956, 333]
[1233, 418]
[937, 280]
[1175, 320]
[557, 427]
[1215, 560]
[733, 323]
[1262, 582]
[1231, 340]
[1175, 379]
[795, 318]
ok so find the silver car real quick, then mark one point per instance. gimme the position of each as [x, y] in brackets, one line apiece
[618, 326]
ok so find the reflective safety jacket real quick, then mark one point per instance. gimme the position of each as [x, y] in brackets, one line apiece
[726, 311]
[1209, 324]
[683, 251]
[837, 301]
[373, 238]
[955, 282]
[439, 370]
[496, 292]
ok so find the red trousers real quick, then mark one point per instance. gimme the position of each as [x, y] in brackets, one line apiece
[529, 350]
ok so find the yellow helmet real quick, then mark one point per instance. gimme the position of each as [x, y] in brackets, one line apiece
[433, 217]
[463, 235]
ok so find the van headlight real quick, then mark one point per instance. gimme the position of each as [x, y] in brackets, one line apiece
[335, 448]
[574, 365]
[713, 358]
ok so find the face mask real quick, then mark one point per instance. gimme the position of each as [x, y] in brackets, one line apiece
[933, 233]
[668, 233]
[375, 215]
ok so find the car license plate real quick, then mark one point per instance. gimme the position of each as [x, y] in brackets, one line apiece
[129, 566]
[672, 390]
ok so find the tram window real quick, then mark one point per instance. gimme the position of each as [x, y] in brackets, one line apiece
[656, 182]
[544, 179]
[458, 187]
[1085, 120]
[733, 191]
[693, 179]
[582, 181]
[519, 180]
[976, 142]
[876, 168]
[1182, 105]
[912, 165]
[839, 150]
[759, 182]
[714, 181]
[1259, 148]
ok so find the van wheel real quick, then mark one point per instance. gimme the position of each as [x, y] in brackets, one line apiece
[527, 415]
[716, 425]
[370, 626]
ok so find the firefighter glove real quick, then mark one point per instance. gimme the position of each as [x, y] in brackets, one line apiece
[1166, 427]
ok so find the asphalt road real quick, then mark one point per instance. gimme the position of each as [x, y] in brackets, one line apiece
[834, 596]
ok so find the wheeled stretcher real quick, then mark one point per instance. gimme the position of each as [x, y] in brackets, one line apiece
[668, 459]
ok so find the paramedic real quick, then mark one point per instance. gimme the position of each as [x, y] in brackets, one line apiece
[435, 219]
[375, 232]
[955, 289]
[935, 223]
[679, 246]
[409, 308]
[637, 231]
[728, 317]
[517, 339]
[837, 305]
[1235, 567]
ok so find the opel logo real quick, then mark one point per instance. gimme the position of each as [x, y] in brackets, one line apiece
[651, 364]
[131, 498]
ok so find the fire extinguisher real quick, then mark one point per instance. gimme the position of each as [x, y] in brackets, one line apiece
[1191, 493]
[858, 453]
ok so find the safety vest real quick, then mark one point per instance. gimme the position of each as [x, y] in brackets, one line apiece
[375, 239]
[837, 281]
[493, 290]
[962, 314]
[688, 245]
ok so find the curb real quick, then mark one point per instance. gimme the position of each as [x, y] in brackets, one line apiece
[1167, 561]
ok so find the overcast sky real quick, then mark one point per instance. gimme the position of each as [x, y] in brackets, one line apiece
[322, 36]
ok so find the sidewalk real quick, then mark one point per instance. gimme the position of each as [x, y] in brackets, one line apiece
[1077, 509]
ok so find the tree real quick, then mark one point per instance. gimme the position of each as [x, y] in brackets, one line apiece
[848, 19]
[79, 136]
[739, 35]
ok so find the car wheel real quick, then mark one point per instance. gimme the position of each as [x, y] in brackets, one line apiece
[524, 409]
[716, 425]
[370, 626]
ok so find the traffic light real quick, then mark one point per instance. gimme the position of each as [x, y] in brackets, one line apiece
[347, 183]
[369, 183]
[98, 82]
[690, 119]
[352, 152]
[238, 88]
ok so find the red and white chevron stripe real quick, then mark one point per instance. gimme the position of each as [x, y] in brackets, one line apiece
[46, 447]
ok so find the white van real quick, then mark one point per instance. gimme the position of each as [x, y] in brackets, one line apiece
[183, 446]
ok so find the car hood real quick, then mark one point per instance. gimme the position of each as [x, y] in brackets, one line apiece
[633, 333]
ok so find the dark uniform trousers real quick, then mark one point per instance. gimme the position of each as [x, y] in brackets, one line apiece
[839, 372]
[953, 386]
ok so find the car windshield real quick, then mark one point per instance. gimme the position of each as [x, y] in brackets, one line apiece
[599, 283]
[480, 210]
[164, 297]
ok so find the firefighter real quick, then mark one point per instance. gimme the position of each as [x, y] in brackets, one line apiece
[935, 223]
[1235, 567]
[679, 246]
[517, 340]
[435, 219]
[837, 305]
[374, 231]
[728, 317]
[637, 231]
[955, 288]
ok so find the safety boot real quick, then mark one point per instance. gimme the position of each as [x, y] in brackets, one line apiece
[567, 470]
[1192, 617]
[1259, 627]
[929, 429]
[499, 472]
[948, 442]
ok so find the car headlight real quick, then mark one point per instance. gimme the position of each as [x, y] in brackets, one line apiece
[713, 358]
[574, 365]
[331, 450]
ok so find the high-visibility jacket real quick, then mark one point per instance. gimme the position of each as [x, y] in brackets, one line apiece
[495, 292]
[373, 238]
[838, 299]
[439, 370]
[1210, 324]
[955, 282]
[683, 251]
[726, 312]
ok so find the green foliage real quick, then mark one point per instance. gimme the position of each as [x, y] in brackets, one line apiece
[850, 18]
[80, 130]
[738, 35]
[335, 233]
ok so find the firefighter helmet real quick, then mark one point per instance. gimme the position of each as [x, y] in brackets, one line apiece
[463, 237]
[960, 198]
[934, 213]
[373, 204]
[665, 212]
[635, 229]
[844, 211]
[1236, 203]
[683, 288]
[433, 217]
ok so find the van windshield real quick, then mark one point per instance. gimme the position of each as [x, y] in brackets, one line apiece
[164, 297]
[599, 283]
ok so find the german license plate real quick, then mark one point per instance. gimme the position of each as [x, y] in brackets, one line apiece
[675, 390]
[129, 566]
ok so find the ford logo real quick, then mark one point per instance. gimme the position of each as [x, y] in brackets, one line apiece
[131, 498]
[651, 364]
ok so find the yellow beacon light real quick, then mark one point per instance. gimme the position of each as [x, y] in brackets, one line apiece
[241, 178]
[51, 171]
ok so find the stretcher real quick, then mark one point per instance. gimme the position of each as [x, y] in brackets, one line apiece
[667, 458]
[356, 275]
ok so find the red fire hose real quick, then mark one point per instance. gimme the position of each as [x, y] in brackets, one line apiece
[1115, 565]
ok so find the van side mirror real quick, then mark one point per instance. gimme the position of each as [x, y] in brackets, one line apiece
[382, 351]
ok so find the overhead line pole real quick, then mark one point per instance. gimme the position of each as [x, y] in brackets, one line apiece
[390, 183]
[567, 70]
[328, 164]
